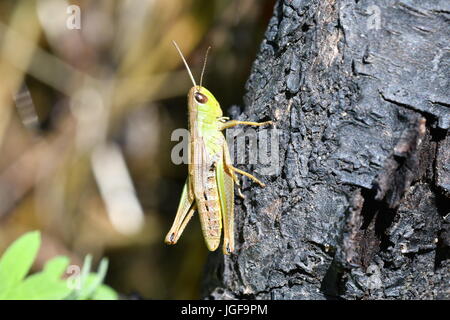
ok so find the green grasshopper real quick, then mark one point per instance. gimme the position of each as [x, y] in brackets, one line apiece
[209, 187]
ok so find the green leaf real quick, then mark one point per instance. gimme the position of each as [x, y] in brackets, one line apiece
[85, 270]
[104, 292]
[17, 260]
[81, 279]
[93, 281]
[56, 267]
[48, 284]
[39, 286]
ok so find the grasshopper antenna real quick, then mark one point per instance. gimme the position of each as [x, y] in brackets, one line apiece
[204, 66]
[185, 63]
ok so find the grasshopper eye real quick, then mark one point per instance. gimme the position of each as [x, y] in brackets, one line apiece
[200, 98]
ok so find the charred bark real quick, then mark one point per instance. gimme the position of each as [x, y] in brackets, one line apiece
[360, 207]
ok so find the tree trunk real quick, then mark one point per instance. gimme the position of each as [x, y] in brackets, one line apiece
[360, 207]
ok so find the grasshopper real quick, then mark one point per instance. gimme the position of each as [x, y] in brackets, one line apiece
[209, 187]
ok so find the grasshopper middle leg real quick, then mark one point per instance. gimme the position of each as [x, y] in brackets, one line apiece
[233, 123]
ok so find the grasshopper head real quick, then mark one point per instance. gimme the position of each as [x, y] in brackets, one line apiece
[202, 100]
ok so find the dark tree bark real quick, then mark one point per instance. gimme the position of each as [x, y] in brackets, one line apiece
[360, 209]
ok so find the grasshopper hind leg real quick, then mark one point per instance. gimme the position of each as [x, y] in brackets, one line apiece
[185, 211]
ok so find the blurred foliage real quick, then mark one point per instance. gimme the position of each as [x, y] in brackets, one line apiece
[85, 122]
[48, 284]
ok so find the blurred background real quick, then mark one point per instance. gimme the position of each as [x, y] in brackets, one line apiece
[87, 108]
